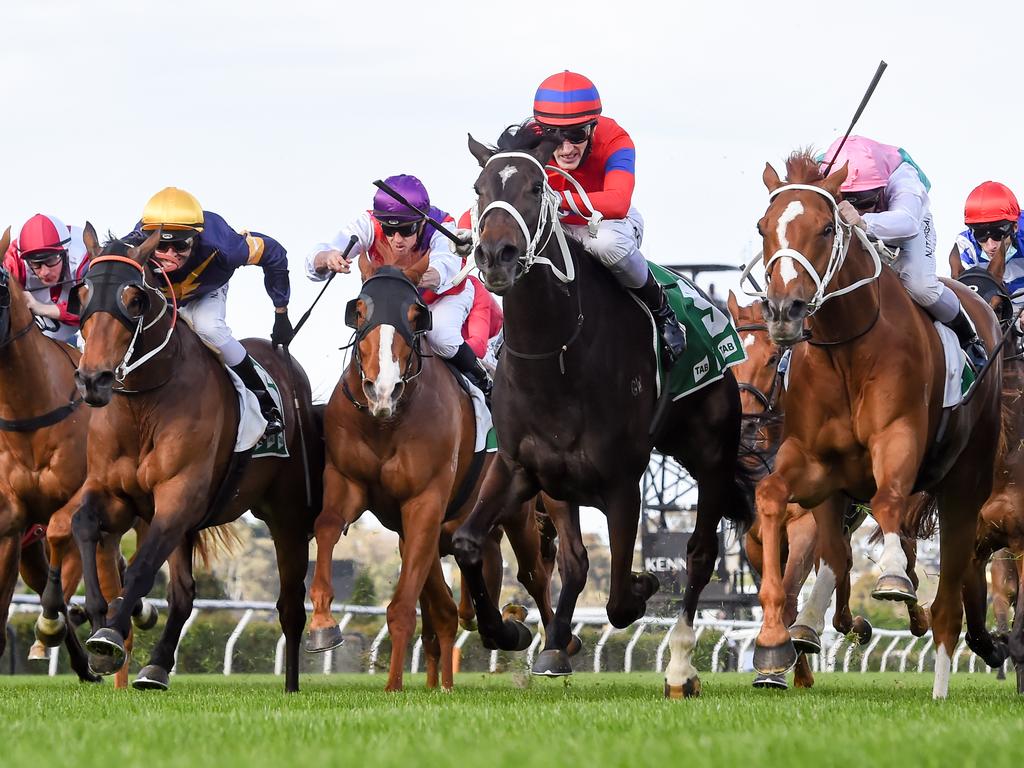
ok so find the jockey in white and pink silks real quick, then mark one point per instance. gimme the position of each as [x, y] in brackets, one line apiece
[407, 232]
[886, 194]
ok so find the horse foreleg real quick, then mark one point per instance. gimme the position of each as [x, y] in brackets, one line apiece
[525, 538]
[975, 599]
[292, 561]
[895, 458]
[181, 593]
[501, 491]
[443, 620]
[10, 556]
[916, 613]
[344, 501]
[774, 653]
[628, 591]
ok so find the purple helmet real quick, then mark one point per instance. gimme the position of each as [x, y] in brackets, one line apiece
[387, 210]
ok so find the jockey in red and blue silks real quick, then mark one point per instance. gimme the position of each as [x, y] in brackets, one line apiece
[47, 259]
[886, 194]
[407, 233]
[599, 155]
[993, 218]
[199, 252]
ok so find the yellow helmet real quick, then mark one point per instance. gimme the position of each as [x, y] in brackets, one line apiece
[172, 209]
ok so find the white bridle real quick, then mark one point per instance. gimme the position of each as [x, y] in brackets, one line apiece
[125, 368]
[840, 246]
[548, 218]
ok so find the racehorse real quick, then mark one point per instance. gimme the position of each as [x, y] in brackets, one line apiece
[400, 442]
[574, 400]
[762, 395]
[1001, 523]
[161, 447]
[42, 458]
[1006, 578]
[863, 427]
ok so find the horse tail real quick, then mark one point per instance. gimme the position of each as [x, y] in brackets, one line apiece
[742, 512]
[213, 542]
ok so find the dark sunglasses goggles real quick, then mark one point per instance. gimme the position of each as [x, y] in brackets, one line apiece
[999, 231]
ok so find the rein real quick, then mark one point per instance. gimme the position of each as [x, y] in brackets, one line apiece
[49, 418]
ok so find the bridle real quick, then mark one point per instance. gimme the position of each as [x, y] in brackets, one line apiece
[106, 295]
[770, 414]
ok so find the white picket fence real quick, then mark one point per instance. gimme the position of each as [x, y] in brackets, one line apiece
[838, 653]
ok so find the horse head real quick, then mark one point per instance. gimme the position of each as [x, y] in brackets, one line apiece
[117, 304]
[389, 318]
[805, 244]
[516, 206]
[987, 280]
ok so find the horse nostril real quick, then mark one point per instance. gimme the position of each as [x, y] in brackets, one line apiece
[797, 309]
[369, 389]
[396, 393]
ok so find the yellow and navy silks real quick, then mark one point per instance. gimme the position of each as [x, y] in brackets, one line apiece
[218, 251]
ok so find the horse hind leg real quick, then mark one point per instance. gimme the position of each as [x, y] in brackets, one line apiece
[524, 536]
[181, 592]
[443, 619]
[292, 552]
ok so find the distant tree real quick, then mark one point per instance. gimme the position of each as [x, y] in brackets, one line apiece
[363, 590]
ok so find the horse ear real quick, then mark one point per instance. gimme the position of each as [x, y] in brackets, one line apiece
[481, 152]
[835, 181]
[5, 241]
[142, 253]
[366, 268]
[415, 272]
[734, 306]
[956, 266]
[771, 178]
[91, 240]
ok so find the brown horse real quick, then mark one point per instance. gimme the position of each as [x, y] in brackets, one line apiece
[762, 393]
[863, 427]
[1001, 523]
[1006, 578]
[162, 447]
[400, 441]
[42, 458]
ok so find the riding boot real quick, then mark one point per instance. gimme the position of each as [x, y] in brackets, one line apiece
[246, 371]
[466, 361]
[673, 336]
[967, 335]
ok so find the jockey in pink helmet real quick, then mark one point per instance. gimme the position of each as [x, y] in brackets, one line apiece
[600, 156]
[886, 194]
[408, 233]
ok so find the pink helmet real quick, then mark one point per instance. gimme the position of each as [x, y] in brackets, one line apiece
[869, 163]
[42, 236]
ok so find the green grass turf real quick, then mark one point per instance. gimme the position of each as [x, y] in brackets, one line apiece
[589, 720]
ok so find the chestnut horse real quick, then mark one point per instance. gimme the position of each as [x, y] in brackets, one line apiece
[863, 427]
[762, 394]
[400, 442]
[1001, 523]
[161, 447]
[42, 458]
[574, 401]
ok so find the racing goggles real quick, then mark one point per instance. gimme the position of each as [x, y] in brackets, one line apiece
[998, 231]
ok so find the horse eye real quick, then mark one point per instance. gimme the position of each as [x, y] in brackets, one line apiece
[476, 190]
[538, 187]
[773, 360]
[829, 229]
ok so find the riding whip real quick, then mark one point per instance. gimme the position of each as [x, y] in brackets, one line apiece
[302, 320]
[863, 103]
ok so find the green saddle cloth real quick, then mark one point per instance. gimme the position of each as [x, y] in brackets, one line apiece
[712, 343]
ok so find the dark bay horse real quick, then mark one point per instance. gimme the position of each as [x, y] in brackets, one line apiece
[400, 438]
[161, 447]
[42, 458]
[1000, 536]
[574, 399]
[763, 396]
[863, 427]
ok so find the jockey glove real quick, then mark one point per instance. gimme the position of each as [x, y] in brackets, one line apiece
[283, 332]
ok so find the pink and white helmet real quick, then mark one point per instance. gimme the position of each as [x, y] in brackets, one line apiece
[869, 163]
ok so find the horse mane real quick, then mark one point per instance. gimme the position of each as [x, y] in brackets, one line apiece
[521, 137]
[802, 167]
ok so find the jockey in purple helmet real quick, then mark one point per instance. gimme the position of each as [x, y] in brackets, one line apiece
[408, 233]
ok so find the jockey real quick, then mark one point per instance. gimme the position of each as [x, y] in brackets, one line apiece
[994, 220]
[199, 252]
[600, 156]
[408, 234]
[47, 259]
[886, 194]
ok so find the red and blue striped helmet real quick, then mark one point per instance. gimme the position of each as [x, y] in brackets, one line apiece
[567, 98]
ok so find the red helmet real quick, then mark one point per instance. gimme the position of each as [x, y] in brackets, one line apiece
[41, 236]
[566, 99]
[991, 201]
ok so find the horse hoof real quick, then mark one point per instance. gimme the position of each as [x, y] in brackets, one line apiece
[469, 624]
[146, 615]
[552, 663]
[323, 639]
[862, 629]
[775, 659]
[107, 642]
[774, 682]
[574, 646]
[516, 635]
[514, 612]
[104, 665]
[688, 690]
[51, 632]
[152, 678]
[38, 652]
[645, 584]
[77, 615]
[894, 586]
[805, 640]
[919, 623]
